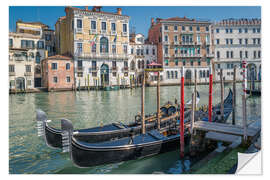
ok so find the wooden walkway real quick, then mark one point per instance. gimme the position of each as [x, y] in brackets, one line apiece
[225, 128]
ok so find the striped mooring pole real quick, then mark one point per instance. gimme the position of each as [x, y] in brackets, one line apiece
[244, 110]
[210, 95]
[182, 107]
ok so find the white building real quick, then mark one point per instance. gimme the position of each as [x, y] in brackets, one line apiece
[141, 53]
[25, 53]
[236, 40]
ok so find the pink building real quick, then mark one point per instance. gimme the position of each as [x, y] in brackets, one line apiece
[58, 73]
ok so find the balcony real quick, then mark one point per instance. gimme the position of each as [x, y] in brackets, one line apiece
[114, 68]
[101, 56]
[12, 74]
[125, 69]
[28, 73]
[187, 43]
[93, 31]
[210, 55]
[187, 55]
[80, 69]
[103, 31]
[124, 34]
[21, 58]
[113, 32]
[78, 30]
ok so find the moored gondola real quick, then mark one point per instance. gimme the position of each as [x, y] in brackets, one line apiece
[53, 136]
[84, 154]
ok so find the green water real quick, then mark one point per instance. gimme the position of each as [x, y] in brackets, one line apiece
[29, 154]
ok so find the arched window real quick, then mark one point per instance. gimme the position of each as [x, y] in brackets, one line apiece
[168, 74]
[204, 73]
[132, 65]
[104, 45]
[139, 64]
[172, 74]
[142, 64]
[37, 57]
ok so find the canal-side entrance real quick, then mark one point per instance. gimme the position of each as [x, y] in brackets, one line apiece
[104, 74]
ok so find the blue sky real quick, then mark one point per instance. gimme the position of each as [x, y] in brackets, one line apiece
[140, 16]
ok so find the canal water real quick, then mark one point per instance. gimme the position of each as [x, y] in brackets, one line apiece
[29, 154]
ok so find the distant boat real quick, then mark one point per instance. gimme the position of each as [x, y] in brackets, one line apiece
[84, 154]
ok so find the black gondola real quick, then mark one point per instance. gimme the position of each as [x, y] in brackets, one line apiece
[154, 142]
[53, 136]
[255, 92]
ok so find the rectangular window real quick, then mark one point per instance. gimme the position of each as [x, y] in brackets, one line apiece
[40, 44]
[259, 54]
[240, 30]
[241, 54]
[54, 66]
[176, 62]
[254, 30]
[68, 79]
[103, 26]
[246, 54]
[259, 41]
[183, 28]
[55, 79]
[166, 38]
[258, 30]
[124, 27]
[67, 66]
[154, 51]
[227, 31]
[166, 50]
[190, 28]
[79, 23]
[227, 54]
[10, 42]
[175, 38]
[240, 41]
[79, 48]
[166, 62]
[166, 28]
[114, 49]
[11, 68]
[28, 68]
[47, 37]
[206, 28]
[94, 48]
[147, 51]
[93, 25]
[254, 54]
[231, 54]
[217, 41]
[142, 52]
[227, 41]
[199, 62]
[198, 28]
[218, 54]
[175, 28]
[131, 50]
[246, 41]
[231, 30]
[113, 27]
[125, 49]
[138, 52]
[231, 41]
[246, 30]
[217, 30]
[94, 65]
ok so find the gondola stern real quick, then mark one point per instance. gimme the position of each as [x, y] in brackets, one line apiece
[41, 118]
[67, 132]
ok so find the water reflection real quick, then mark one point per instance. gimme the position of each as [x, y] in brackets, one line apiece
[29, 154]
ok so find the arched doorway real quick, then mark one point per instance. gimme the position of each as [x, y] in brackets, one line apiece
[104, 74]
[132, 65]
[20, 83]
[188, 75]
[251, 72]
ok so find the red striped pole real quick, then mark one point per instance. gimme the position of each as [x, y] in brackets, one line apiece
[244, 85]
[210, 95]
[182, 148]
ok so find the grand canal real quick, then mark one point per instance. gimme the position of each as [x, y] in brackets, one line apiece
[28, 153]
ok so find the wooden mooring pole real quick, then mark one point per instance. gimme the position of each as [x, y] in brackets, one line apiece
[222, 95]
[88, 88]
[195, 89]
[142, 104]
[244, 84]
[182, 148]
[210, 95]
[192, 112]
[158, 100]
[234, 95]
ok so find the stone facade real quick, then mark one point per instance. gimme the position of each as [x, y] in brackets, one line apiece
[24, 61]
[58, 73]
[236, 40]
[98, 41]
[182, 42]
[141, 53]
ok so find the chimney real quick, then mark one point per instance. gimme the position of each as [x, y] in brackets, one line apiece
[86, 7]
[119, 11]
[152, 21]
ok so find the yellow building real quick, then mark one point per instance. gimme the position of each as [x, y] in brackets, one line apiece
[98, 41]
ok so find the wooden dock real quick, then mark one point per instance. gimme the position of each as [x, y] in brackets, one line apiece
[225, 129]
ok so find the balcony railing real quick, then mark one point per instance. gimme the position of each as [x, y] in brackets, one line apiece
[93, 31]
[187, 43]
[28, 73]
[22, 58]
[12, 73]
[102, 55]
[103, 31]
[124, 69]
[80, 69]
[114, 68]
[78, 30]
[187, 55]
[167, 55]
[124, 33]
